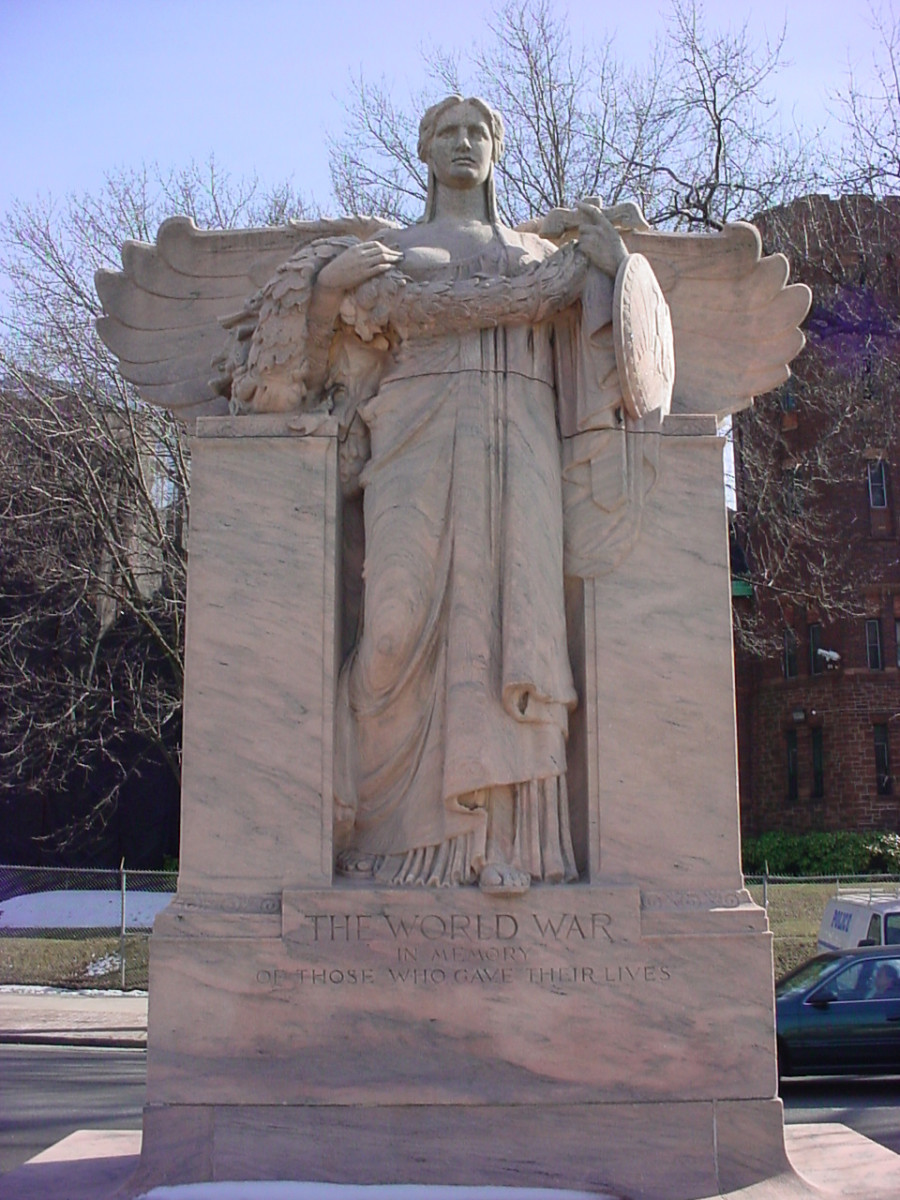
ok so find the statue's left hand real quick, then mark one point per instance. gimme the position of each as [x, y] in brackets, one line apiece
[357, 265]
[599, 240]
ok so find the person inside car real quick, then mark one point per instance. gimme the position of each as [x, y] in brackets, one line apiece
[886, 984]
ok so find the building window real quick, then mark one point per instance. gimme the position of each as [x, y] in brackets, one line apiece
[883, 781]
[816, 661]
[873, 645]
[792, 490]
[787, 398]
[869, 379]
[818, 762]
[790, 654]
[877, 484]
[793, 778]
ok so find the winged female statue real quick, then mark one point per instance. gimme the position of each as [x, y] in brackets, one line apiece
[492, 387]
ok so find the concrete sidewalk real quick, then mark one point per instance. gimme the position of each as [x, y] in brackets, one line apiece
[45, 1017]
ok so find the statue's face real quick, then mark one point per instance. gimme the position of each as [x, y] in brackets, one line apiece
[461, 149]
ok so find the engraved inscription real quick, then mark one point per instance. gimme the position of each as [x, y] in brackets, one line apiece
[478, 954]
[322, 975]
[605, 976]
[339, 927]
[217, 902]
[703, 899]
[440, 945]
[556, 942]
[499, 927]
[647, 973]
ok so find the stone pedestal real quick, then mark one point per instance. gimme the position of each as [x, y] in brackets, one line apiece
[616, 1034]
[260, 656]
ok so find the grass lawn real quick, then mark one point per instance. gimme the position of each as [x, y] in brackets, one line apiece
[80, 959]
[795, 910]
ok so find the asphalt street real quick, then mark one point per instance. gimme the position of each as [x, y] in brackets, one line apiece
[870, 1106]
[47, 1092]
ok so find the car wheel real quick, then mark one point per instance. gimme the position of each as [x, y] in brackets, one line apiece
[784, 1062]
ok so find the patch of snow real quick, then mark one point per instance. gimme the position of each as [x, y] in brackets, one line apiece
[102, 966]
[37, 989]
[349, 1191]
[82, 910]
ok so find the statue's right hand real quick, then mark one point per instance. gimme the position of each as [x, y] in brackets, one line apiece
[558, 221]
[356, 265]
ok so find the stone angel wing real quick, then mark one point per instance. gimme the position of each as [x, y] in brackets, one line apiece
[165, 308]
[735, 318]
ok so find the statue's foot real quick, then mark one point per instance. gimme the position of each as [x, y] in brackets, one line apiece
[503, 879]
[353, 862]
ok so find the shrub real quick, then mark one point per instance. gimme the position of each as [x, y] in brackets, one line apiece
[838, 853]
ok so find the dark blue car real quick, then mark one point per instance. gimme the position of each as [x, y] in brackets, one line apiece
[839, 1014]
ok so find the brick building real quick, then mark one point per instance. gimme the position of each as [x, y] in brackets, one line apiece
[818, 702]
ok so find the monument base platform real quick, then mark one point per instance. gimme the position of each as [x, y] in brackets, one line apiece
[685, 1150]
[826, 1161]
[597, 1038]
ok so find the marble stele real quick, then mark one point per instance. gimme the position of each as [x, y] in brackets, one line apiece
[460, 896]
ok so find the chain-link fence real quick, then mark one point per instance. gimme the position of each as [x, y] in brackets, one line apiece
[795, 905]
[79, 928]
[86, 928]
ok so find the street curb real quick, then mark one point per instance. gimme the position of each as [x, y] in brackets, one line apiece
[55, 1039]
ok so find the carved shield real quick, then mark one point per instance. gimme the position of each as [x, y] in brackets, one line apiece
[642, 334]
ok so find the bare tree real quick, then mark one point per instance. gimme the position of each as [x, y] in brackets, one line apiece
[693, 136]
[802, 454]
[92, 594]
[725, 153]
[868, 158]
[94, 488]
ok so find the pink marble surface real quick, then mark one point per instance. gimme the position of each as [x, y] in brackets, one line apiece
[661, 745]
[407, 996]
[260, 658]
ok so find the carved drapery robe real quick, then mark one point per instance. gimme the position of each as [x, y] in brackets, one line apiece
[460, 681]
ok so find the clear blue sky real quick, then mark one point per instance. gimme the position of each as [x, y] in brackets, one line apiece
[91, 85]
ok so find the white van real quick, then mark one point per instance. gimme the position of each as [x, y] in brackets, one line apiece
[861, 918]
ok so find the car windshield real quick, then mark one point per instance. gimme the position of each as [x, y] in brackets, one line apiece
[803, 977]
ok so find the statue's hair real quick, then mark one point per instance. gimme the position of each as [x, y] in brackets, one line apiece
[427, 129]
